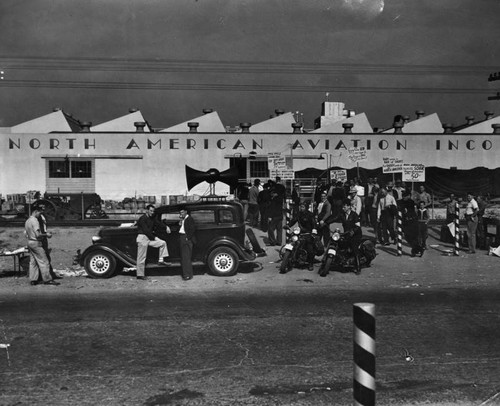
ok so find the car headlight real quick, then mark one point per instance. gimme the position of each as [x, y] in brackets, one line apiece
[294, 238]
[336, 236]
[296, 230]
[96, 238]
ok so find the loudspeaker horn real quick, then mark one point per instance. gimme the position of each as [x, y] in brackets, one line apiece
[194, 176]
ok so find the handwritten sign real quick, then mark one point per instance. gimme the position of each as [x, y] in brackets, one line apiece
[357, 154]
[284, 174]
[275, 160]
[392, 165]
[413, 173]
[338, 175]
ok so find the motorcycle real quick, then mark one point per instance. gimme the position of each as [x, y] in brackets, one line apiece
[339, 254]
[294, 253]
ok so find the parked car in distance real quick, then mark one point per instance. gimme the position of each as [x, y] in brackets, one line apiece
[220, 235]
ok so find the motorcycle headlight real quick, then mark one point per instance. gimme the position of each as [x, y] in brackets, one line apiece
[314, 231]
[294, 238]
[336, 236]
[296, 230]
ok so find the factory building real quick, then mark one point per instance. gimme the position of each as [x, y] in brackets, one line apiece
[126, 156]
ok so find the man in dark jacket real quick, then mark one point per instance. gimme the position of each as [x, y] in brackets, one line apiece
[187, 239]
[305, 220]
[410, 224]
[263, 200]
[275, 213]
[146, 226]
[351, 225]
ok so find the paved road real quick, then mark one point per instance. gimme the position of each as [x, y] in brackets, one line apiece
[258, 338]
[273, 347]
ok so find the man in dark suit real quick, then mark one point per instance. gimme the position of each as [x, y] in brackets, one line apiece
[323, 211]
[187, 240]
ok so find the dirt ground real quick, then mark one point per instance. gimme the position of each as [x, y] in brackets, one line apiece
[438, 268]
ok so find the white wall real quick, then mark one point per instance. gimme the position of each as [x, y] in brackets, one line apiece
[161, 167]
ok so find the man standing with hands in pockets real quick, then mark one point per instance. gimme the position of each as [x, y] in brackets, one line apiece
[187, 240]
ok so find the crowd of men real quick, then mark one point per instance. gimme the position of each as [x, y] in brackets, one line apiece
[375, 204]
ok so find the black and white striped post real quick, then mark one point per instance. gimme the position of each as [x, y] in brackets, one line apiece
[364, 354]
[457, 229]
[288, 218]
[399, 229]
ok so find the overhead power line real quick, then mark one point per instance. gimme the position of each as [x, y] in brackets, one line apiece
[232, 87]
[206, 66]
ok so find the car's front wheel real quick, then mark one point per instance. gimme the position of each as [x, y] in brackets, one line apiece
[100, 264]
[223, 261]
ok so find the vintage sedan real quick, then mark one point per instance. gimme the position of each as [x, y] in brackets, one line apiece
[220, 235]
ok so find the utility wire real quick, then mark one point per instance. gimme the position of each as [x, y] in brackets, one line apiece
[164, 65]
[234, 87]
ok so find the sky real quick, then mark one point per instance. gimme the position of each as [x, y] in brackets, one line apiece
[171, 59]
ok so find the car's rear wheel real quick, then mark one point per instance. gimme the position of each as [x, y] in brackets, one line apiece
[223, 261]
[100, 264]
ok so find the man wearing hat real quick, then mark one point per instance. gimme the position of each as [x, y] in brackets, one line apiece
[45, 239]
[39, 263]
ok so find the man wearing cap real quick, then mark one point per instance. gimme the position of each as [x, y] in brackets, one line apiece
[45, 240]
[39, 263]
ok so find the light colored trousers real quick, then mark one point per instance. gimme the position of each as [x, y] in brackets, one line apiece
[143, 242]
[39, 263]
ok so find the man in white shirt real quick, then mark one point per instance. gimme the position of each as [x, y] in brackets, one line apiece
[385, 215]
[471, 220]
[356, 202]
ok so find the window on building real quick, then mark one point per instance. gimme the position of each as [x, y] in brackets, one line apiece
[70, 169]
[58, 169]
[81, 169]
[259, 169]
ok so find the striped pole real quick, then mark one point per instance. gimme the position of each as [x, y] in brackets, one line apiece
[399, 229]
[364, 354]
[288, 215]
[457, 228]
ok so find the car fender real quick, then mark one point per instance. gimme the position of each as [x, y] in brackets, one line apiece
[243, 254]
[119, 255]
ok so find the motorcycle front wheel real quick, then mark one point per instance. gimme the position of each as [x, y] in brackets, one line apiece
[323, 271]
[286, 262]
